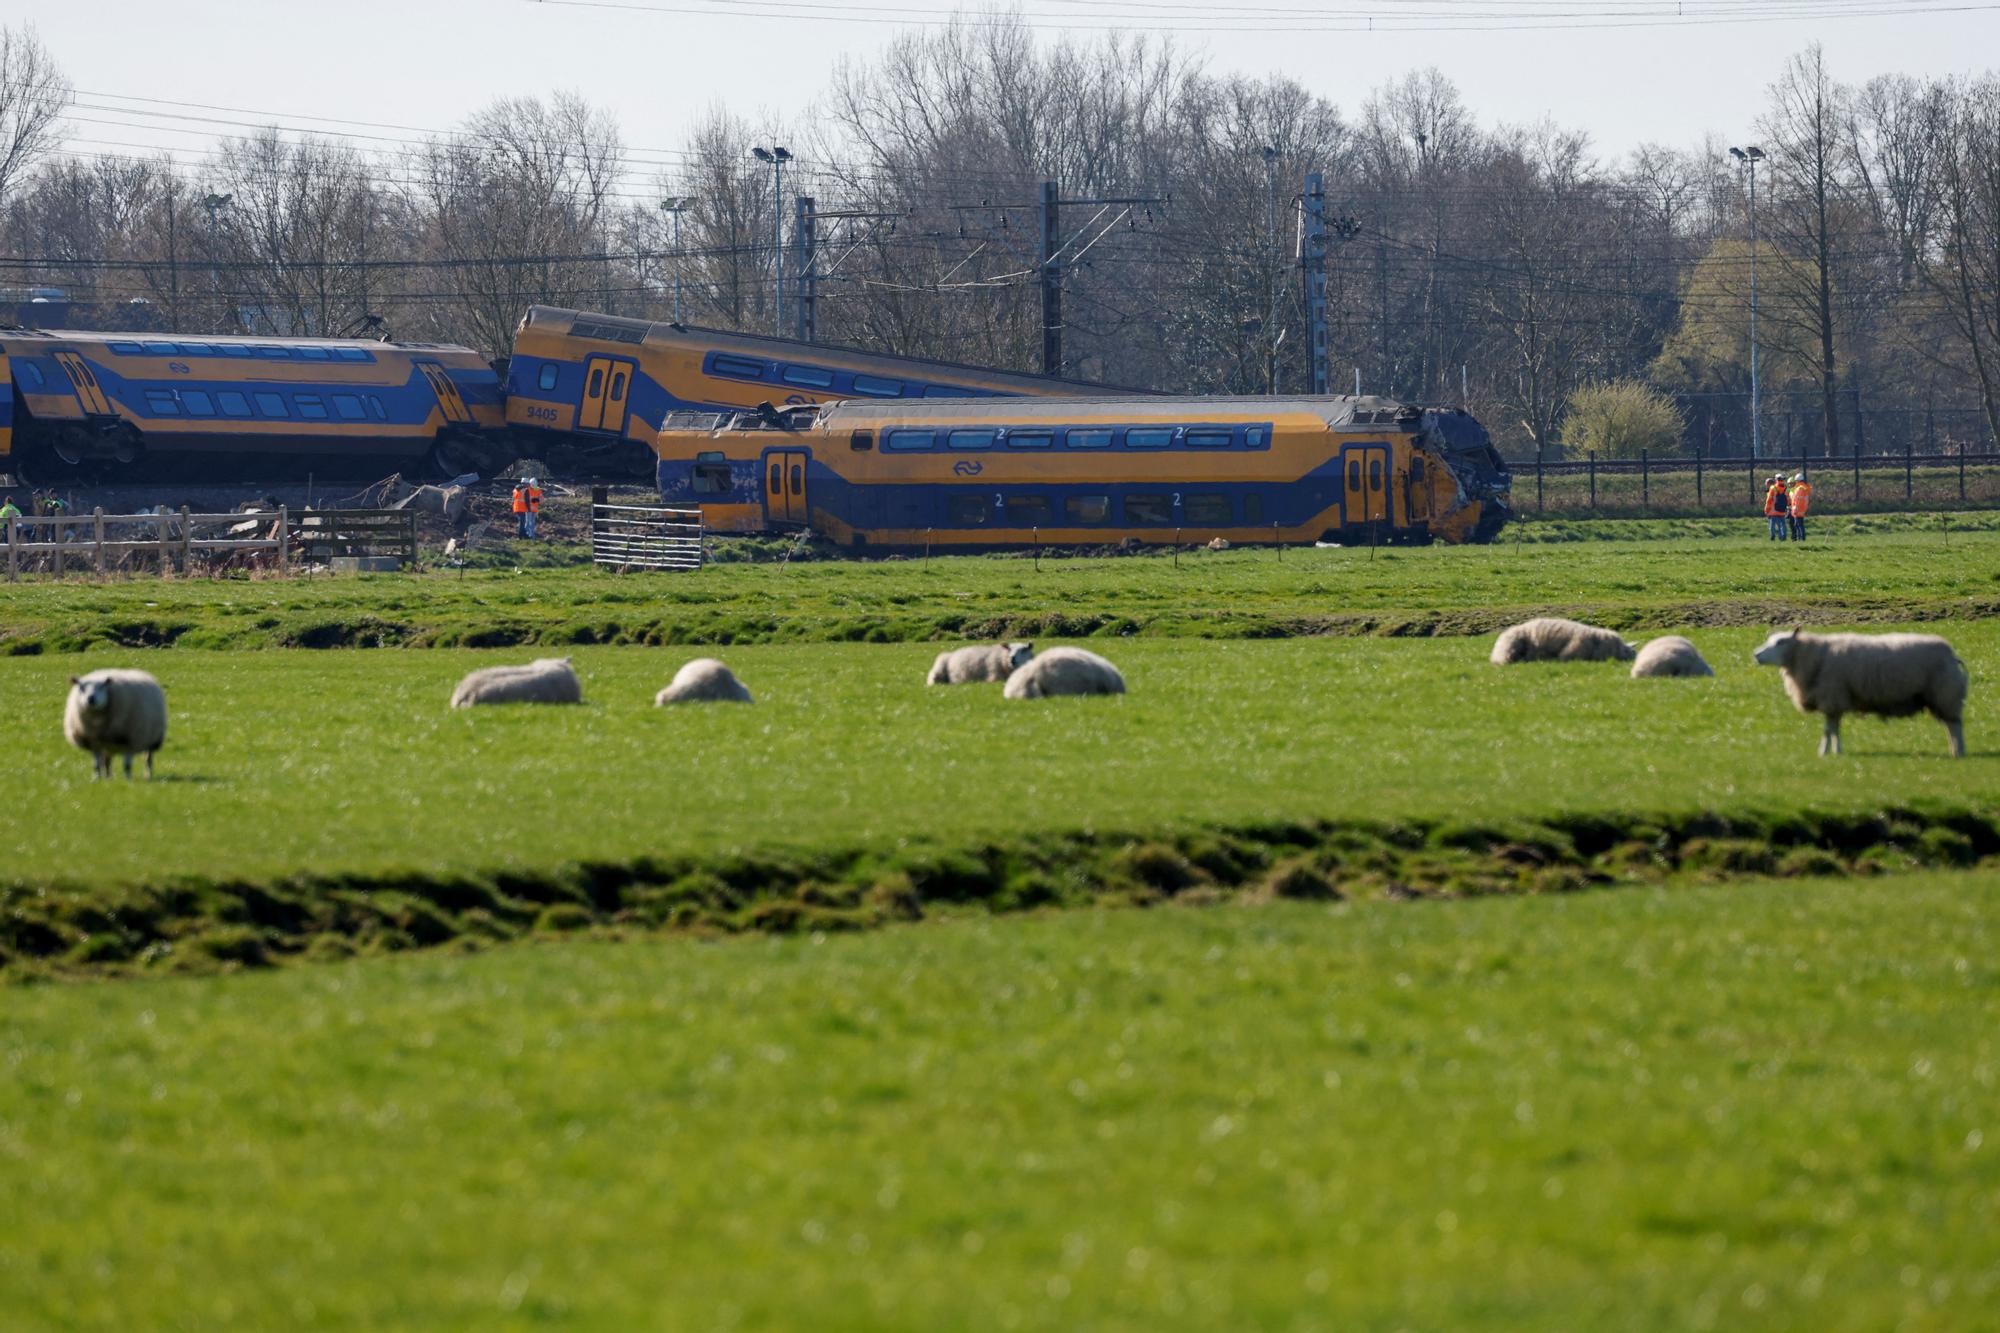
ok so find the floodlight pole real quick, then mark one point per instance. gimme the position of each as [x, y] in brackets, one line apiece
[1750, 157]
[777, 155]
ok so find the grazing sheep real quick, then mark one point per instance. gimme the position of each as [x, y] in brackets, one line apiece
[116, 711]
[1889, 675]
[1064, 671]
[546, 680]
[983, 661]
[1553, 639]
[1670, 656]
[703, 681]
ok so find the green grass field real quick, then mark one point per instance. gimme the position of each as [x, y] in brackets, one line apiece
[638, 1076]
[1753, 1106]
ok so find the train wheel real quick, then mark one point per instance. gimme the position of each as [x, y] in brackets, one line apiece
[453, 456]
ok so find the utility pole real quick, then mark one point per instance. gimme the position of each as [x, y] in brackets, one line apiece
[214, 203]
[1312, 265]
[1050, 213]
[674, 207]
[1750, 157]
[1271, 323]
[805, 238]
[777, 155]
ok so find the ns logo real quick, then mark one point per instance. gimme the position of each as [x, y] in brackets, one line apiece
[967, 467]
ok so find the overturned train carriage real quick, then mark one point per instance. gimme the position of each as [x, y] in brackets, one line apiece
[1091, 471]
[82, 406]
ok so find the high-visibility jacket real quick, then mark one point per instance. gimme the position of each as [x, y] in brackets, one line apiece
[527, 499]
[1801, 498]
[534, 499]
[9, 510]
[520, 500]
[1774, 500]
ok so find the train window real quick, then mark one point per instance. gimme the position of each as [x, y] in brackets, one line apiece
[162, 402]
[375, 406]
[950, 391]
[232, 349]
[31, 374]
[1353, 474]
[197, 403]
[1030, 439]
[126, 349]
[315, 354]
[906, 439]
[738, 367]
[861, 441]
[596, 384]
[1256, 437]
[812, 377]
[233, 404]
[1208, 439]
[618, 386]
[1087, 508]
[1149, 438]
[1149, 509]
[967, 511]
[349, 406]
[1087, 439]
[711, 473]
[1207, 510]
[1253, 508]
[970, 439]
[272, 405]
[1416, 471]
[1374, 474]
[877, 387]
[310, 405]
[273, 353]
[1027, 511]
[197, 349]
[164, 349]
[353, 354]
[547, 378]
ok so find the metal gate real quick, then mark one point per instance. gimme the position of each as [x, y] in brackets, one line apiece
[639, 537]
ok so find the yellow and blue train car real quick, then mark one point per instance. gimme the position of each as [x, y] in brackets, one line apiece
[84, 405]
[591, 391]
[1091, 471]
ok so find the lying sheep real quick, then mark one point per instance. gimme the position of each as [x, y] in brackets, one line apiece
[116, 711]
[546, 680]
[1064, 671]
[1553, 639]
[1889, 675]
[1670, 656]
[703, 681]
[983, 661]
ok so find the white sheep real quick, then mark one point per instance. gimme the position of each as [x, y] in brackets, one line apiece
[116, 711]
[1064, 671]
[1670, 656]
[1888, 675]
[981, 661]
[1553, 639]
[546, 680]
[703, 681]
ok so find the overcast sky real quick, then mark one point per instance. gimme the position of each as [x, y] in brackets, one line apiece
[654, 63]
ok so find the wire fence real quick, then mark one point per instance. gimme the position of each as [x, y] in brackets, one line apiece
[1646, 485]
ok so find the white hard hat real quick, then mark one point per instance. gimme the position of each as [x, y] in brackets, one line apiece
[1798, 476]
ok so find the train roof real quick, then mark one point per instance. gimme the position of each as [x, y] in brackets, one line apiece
[1337, 410]
[215, 339]
[620, 328]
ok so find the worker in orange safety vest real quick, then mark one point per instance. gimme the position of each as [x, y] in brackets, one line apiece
[1800, 499]
[1776, 506]
[527, 505]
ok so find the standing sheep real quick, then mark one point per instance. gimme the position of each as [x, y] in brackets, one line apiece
[703, 681]
[984, 661]
[116, 711]
[1064, 671]
[546, 680]
[1553, 639]
[1888, 675]
[1670, 656]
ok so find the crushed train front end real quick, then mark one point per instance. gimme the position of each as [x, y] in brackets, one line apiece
[1483, 502]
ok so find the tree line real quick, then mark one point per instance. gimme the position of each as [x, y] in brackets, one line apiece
[1570, 300]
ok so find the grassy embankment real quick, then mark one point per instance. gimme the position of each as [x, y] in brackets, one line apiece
[1680, 572]
[1758, 1106]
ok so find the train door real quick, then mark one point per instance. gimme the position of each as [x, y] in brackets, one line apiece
[785, 485]
[83, 379]
[607, 384]
[447, 392]
[1365, 496]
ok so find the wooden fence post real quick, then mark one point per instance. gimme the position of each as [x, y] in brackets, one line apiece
[284, 540]
[1697, 476]
[13, 548]
[1645, 482]
[187, 543]
[1593, 478]
[1961, 474]
[97, 524]
[1909, 473]
[166, 536]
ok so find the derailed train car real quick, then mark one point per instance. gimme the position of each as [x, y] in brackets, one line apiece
[81, 406]
[1091, 471]
[588, 392]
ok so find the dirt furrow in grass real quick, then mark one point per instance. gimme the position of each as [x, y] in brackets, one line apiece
[50, 931]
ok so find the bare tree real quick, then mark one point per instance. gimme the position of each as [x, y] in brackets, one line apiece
[33, 93]
[1964, 269]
